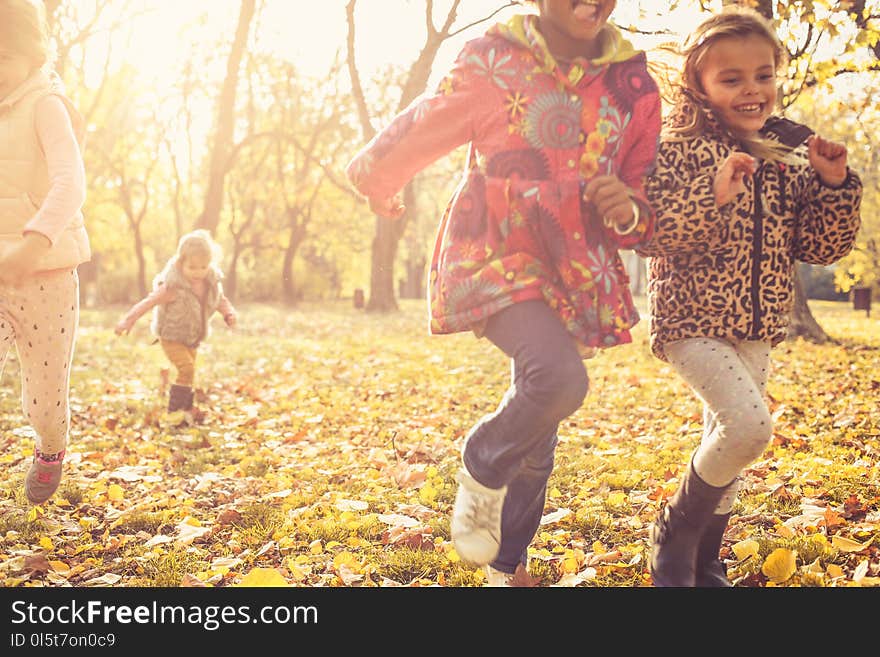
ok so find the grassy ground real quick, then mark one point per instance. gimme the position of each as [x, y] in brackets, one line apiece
[325, 443]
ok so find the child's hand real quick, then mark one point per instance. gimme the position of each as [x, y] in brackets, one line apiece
[612, 199]
[730, 179]
[231, 319]
[390, 208]
[123, 327]
[18, 262]
[828, 159]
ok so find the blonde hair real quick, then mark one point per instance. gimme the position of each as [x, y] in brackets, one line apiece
[690, 115]
[23, 30]
[195, 243]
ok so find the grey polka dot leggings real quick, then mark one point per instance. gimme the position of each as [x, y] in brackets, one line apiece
[730, 378]
[40, 317]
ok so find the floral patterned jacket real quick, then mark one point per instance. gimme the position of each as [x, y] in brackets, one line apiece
[516, 228]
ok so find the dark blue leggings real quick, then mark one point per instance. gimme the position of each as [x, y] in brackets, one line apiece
[514, 446]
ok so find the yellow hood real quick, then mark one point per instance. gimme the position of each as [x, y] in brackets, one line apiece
[523, 29]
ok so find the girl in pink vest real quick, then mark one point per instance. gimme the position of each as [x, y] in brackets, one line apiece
[186, 293]
[42, 237]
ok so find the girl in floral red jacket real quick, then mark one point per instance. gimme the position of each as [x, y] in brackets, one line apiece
[562, 121]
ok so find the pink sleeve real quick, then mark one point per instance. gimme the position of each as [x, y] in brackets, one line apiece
[432, 126]
[67, 184]
[162, 294]
[224, 306]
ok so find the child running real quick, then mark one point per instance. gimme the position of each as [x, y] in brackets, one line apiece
[739, 199]
[562, 121]
[42, 235]
[186, 293]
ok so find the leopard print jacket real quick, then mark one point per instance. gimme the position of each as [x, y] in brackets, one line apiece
[728, 273]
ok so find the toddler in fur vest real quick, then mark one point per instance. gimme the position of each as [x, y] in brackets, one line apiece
[186, 293]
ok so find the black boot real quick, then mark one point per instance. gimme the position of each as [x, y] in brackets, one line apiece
[676, 533]
[180, 398]
[710, 571]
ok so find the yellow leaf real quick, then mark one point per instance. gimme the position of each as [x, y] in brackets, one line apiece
[784, 531]
[814, 567]
[346, 559]
[59, 566]
[555, 492]
[746, 548]
[819, 538]
[834, 570]
[46, 543]
[598, 548]
[315, 547]
[115, 493]
[570, 565]
[452, 555]
[846, 545]
[427, 494]
[263, 577]
[780, 565]
[617, 498]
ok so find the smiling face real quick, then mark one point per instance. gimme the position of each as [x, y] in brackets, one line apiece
[195, 267]
[738, 76]
[570, 27]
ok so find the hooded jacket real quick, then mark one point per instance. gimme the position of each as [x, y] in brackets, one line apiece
[516, 228]
[728, 273]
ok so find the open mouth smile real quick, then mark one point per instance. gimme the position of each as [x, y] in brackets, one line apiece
[586, 10]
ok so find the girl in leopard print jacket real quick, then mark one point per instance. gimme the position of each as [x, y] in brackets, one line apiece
[739, 196]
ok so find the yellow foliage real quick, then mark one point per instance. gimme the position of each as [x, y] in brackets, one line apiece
[780, 565]
[261, 577]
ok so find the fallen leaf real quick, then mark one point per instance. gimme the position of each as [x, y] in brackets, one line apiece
[259, 577]
[115, 493]
[746, 548]
[846, 544]
[780, 565]
[191, 581]
[555, 516]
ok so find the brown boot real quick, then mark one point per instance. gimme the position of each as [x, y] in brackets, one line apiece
[710, 571]
[676, 533]
[180, 398]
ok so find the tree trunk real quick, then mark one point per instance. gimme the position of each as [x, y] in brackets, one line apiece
[210, 216]
[230, 281]
[802, 323]
[142, 262]
[388, 233]
[385, 242]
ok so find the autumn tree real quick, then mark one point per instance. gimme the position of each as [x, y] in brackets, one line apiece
[388, 232]
[222, 142]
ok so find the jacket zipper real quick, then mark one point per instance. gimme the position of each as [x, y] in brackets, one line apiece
[757, 250]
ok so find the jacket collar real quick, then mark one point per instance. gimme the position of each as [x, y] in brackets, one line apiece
[522, 30]
[38, 81]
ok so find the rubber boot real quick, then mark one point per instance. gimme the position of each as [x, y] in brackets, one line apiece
[710, 571]
[676, 533]
[180, 398]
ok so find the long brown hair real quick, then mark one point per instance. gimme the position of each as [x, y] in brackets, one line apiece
[691, 113]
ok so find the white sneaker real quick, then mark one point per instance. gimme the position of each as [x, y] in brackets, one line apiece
[476, 520]
[498, 577]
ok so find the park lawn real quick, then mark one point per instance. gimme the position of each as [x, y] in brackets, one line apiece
[325, 443]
